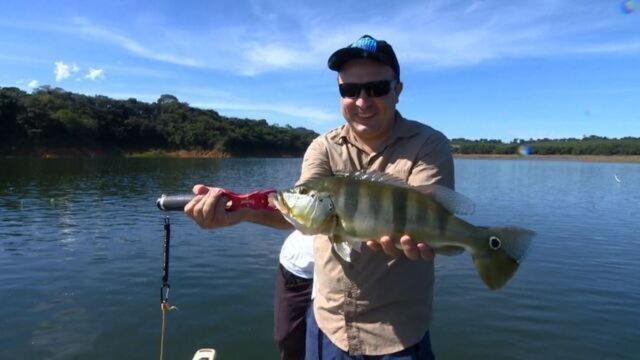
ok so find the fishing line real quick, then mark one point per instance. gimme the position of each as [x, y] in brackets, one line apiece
[164, 289]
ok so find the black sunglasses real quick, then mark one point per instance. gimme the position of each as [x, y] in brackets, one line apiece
[372, 89]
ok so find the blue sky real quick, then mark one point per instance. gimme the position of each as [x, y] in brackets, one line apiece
[473, 69]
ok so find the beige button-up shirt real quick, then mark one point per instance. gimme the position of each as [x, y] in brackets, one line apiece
[376, 305]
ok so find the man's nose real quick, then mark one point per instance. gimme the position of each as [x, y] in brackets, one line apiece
[363, 98]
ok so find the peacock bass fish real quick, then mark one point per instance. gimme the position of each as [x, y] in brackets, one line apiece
[354, 208]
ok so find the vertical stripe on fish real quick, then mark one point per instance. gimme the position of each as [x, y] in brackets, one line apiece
[399, 210]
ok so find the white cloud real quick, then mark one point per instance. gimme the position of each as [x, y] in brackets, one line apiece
[95, 74]
[33, 84]
[316, 115]
[22, 59]
[441, 34]
[86, 28]
[431, 34]
[63, 71]
[138, 71]
[276, 56]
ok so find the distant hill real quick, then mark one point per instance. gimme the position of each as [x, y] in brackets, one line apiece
[587, 145]
[52, 118]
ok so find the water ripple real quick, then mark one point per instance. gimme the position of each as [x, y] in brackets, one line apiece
[81, 252]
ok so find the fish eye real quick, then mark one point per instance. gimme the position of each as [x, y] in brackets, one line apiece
[495, 243]
[302, 190]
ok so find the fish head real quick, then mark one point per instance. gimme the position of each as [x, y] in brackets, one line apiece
[310, 211]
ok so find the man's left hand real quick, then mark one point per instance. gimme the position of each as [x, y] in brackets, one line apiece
[410, 249]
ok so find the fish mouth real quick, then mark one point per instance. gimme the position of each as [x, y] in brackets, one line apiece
[277, 201]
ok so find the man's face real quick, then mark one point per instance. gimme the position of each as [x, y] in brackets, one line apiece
[371, 118]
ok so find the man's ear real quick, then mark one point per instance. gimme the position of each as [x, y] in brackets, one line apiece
[398, 90]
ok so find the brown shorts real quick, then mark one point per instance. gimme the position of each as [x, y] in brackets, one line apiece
[292, 299]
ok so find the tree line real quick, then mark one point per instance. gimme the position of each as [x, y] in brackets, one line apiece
[587, 145]
[54, 118]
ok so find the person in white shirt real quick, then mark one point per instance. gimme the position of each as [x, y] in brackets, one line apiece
[294, 282]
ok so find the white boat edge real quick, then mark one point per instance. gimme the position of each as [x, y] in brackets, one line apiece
[205, 354]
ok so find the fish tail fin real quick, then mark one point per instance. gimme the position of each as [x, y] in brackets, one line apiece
[500, 254]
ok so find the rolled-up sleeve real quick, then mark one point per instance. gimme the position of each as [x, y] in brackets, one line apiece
[434, 164]
[316, 161]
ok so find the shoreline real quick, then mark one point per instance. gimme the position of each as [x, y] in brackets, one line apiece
[152, 153]
[180, 154]
[215, 154]
[584, 158]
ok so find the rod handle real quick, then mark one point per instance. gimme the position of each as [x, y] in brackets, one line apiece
[173, 202]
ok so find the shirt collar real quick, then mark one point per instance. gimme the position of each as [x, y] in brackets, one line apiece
[401, 129]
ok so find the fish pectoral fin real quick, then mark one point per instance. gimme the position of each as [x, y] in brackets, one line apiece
[354, 242]
[449, 250]
[342, 247]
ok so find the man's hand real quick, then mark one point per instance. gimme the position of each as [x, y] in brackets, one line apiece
[208, 208]
[410, 249]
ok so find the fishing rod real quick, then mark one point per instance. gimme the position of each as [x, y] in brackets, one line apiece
[257, 200]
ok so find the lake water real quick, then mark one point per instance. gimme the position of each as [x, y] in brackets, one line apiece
[81, 254]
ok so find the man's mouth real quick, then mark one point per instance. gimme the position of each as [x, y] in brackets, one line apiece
[366, 117]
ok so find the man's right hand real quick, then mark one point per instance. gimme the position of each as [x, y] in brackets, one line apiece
[208, 208]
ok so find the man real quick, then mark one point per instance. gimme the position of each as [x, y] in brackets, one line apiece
[380, 304]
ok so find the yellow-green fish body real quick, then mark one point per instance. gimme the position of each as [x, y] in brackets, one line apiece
[354, 208]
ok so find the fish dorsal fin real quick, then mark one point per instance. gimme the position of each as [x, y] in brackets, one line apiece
[455, 202]
[375, 176]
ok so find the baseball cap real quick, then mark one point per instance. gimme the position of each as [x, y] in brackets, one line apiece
[365, 48]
